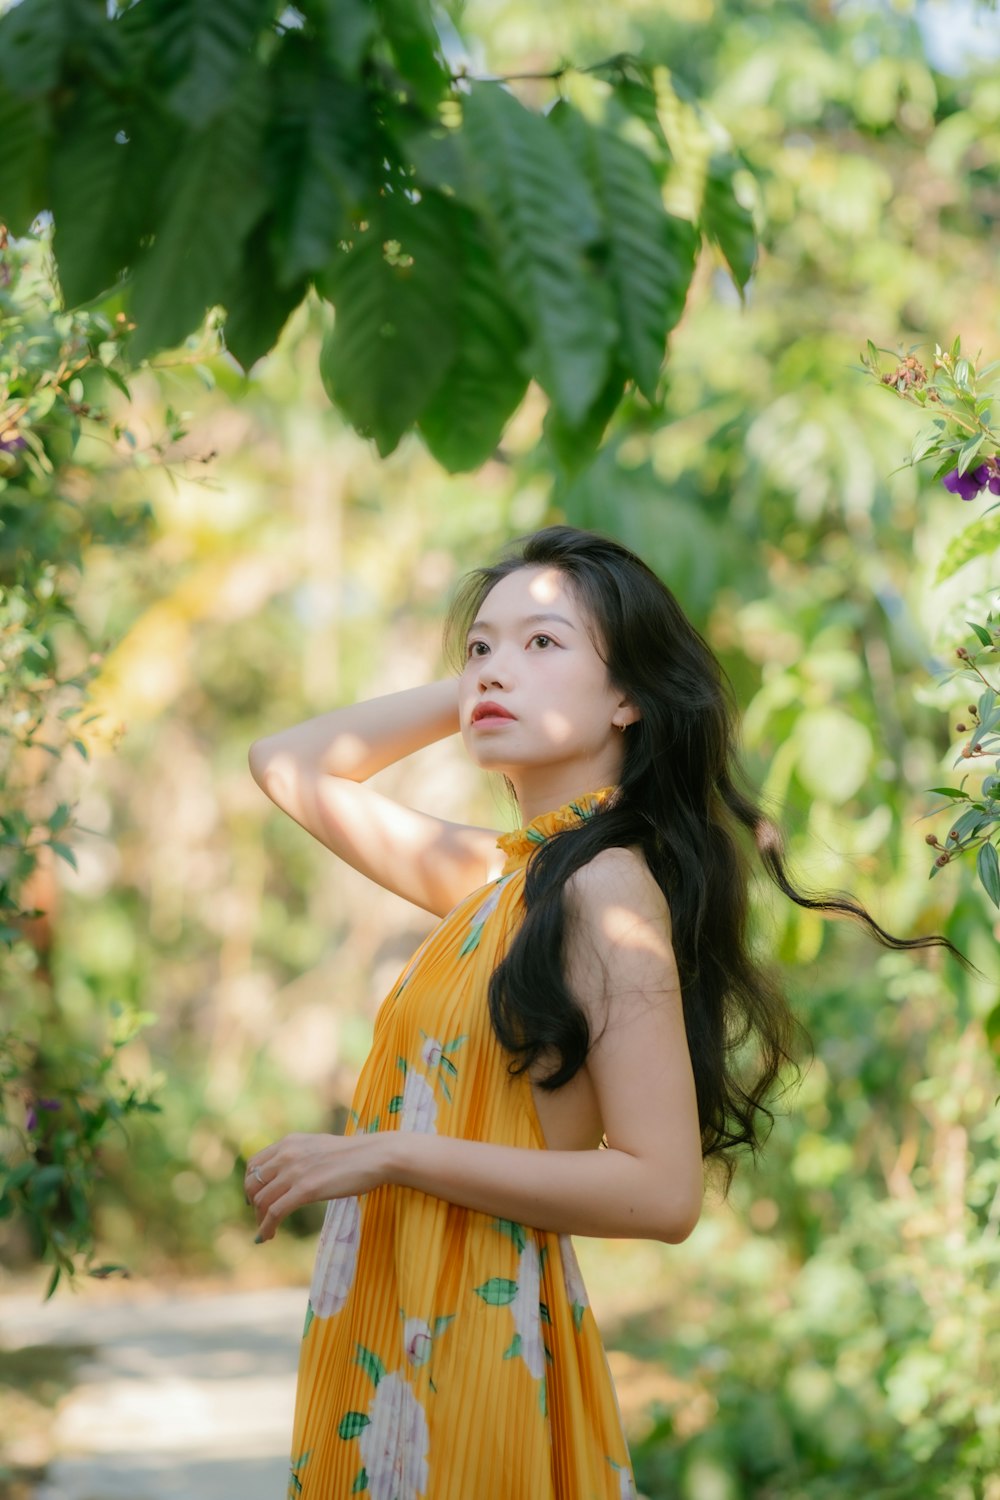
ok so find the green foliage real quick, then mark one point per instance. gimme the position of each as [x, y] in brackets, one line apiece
[964, 446]
[974, 827]
[831, 1330]
[60, 1089]
[961, 439]
[234, 155]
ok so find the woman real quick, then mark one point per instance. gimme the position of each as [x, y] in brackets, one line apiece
[590, 983]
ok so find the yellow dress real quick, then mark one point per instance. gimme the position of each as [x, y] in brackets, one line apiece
[447, 1354]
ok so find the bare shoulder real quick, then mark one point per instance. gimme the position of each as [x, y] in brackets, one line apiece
[618, 880]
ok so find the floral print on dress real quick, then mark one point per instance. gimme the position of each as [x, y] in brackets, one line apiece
[481, 916]
[523, 1297]
[295, 1475]
[626, 1484]
[435, 1057]
[419, 1336]
[526, 1308]
[575, 1289]
[418, 1106]
[393, 1438]
[336, 1258]
[417, 1103]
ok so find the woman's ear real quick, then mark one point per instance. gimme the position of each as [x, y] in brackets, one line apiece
[626, 713]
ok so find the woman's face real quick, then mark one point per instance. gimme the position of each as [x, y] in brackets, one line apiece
[531, 654]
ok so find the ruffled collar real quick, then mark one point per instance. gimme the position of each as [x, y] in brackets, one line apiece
[522, 841]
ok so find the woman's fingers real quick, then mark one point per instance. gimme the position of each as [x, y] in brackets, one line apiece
[259, 1170]
[302, 1169]
[273, 1213]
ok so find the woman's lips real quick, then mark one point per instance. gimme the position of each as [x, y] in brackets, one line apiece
[491, 714]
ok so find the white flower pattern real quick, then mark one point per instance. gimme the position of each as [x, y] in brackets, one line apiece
[576, 1291]
[626, 1485]
[419, 1109]
[336, 1257]
[527, 1313]
[395, 1442]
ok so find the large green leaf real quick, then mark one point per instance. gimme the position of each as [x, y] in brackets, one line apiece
[409, 28]
[203, 49]
[258, 302]
[393, 338]
[682, 241]
[988, 867]
[464, 419]
[90, 208]
[322, 158]
[574, 446]
[211, 198]
[640, 269]
[33, 39]
[634, 94]
[725, 220]
[110, 158]
[24, 131]
[38, 37]
[344, 29]
[544, 218]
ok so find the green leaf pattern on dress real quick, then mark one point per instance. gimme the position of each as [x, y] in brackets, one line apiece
[295, 1475]
[524, 1299]
[481, 916]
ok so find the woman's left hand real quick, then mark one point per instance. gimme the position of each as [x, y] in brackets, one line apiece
[301, 1169]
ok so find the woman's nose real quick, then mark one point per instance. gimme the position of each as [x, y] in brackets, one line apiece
[493, 671]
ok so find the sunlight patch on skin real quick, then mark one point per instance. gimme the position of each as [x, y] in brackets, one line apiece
[556, 726]
[347, 752]
[630, 930]
[546, 586]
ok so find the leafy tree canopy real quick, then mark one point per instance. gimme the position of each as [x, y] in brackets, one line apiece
[234, 155]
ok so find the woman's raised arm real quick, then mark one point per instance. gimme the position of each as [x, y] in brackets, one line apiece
[315, 772]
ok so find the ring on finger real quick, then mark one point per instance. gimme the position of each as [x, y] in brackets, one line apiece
[254, 1172]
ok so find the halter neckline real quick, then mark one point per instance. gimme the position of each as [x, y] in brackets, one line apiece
[520, 843]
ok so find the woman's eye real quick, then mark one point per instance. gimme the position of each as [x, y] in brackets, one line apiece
[470, 650]
[546, 639]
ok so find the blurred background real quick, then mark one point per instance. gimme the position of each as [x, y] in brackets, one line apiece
[832, 1328]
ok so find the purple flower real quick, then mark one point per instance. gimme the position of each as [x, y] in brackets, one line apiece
[31, 1114]
[967, 486]
[11, 441]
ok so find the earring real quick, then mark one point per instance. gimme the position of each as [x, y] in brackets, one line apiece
[622, 727]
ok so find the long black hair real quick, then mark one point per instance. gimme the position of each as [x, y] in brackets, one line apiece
[683, 798]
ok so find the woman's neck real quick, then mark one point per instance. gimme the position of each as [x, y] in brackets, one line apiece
[542, 789]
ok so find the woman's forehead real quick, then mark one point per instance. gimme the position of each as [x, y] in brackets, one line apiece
[534, 589]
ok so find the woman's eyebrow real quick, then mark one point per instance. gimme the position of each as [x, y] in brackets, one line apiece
[528, 620]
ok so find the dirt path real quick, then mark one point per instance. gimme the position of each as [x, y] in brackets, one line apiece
[186, 1397]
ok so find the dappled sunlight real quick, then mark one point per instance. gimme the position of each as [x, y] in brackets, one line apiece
[558, 728]
[547, 585]
[631, 929]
